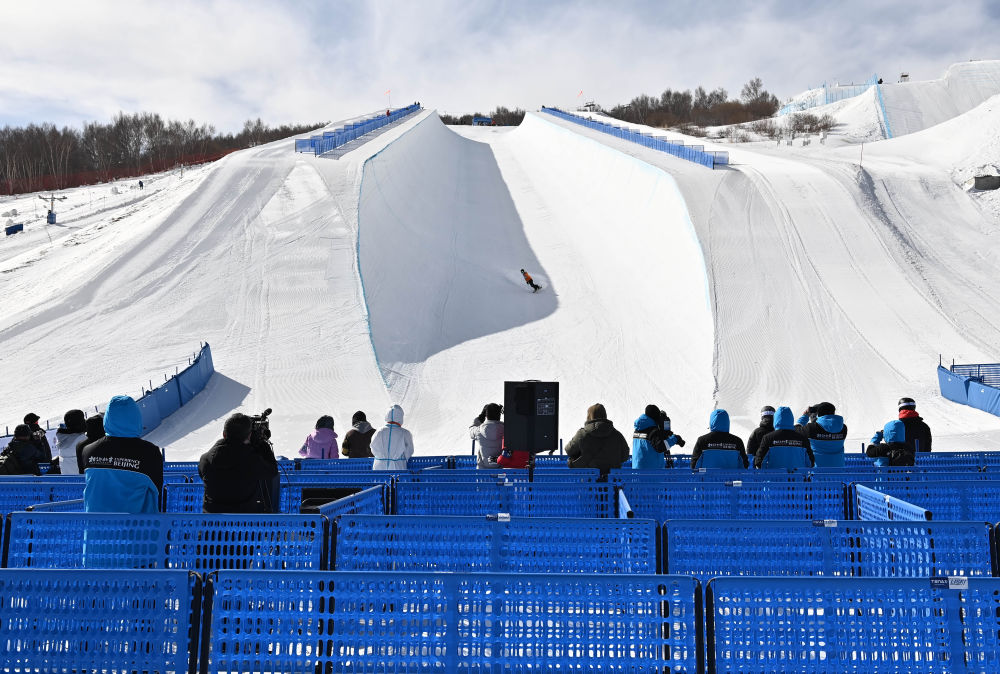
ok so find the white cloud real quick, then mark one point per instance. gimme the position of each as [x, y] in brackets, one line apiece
[222, 61]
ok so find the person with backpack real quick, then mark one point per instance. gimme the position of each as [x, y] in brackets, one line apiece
[392, 445]
[357, 443]
[652, 439]
[22, 455]
[322, 442]
[71, 431]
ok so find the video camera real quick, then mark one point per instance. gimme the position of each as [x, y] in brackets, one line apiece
[260, 431]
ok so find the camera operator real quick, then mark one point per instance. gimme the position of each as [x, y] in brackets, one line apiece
[652, 439]
[487, 431]
[239, 471]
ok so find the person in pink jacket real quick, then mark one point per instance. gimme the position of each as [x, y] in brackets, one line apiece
[322, 442]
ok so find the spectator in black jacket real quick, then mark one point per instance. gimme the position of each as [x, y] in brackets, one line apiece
[766, 426]
[238, 474]
[918, 433]
[38, 435]
[719, 439]
[785, 435]
[598, 444]
[357, 443]
[95, 431]
[22, 455]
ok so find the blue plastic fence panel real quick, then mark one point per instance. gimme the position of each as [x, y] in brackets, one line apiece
[623, 476]
[150, 412]
[706, 549]
[953, 387]
[343, 621]
[20, 495]
[196, 542]
[813, 625]
[528, 545]
[189, 467]
[419, 462]
[98, 621]
[898, 475]
[371, 501]
[872, 505]
[192, 380]
[303, 145]
[464, 462]
[976, 501]
[985, 398]
[346, 465]
[951, 460]
[463, 475]
[749, 500]
[523, 499]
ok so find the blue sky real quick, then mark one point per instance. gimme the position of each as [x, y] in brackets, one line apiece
[223, 61]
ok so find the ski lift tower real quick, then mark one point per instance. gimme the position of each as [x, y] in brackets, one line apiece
[51, 217]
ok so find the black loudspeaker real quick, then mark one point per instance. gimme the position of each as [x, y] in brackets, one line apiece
[531, 415]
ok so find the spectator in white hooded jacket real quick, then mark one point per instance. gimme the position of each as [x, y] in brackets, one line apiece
[73, 429]
[392, 445]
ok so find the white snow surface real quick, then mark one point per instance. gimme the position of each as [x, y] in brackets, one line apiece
[391, 274]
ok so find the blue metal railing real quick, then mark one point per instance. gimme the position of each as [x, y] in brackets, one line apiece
[330, 140]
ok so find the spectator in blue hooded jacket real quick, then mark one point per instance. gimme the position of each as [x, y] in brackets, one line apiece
[826, 434]
[123, 472]
[889, 446]
[797, 452]
[652, 439]
[717, 441]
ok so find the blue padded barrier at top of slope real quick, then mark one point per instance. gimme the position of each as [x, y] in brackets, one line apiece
[453, 622]
[524, 545]
[812, 625]
[97, 620]
[705, 549]
[953, 386]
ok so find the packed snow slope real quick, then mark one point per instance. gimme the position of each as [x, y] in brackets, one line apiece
[391, 275]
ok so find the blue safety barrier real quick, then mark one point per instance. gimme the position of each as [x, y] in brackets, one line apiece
[502, 544]
[13, 229]
[420, 462]
[370, 501]
[343, 621]
[694, 154]
[872, 505]
[706, 549]
[897, 474]
[330, 140]
[197, 542]
[159, 403]
[730, 501]
[976, 385]
[627, 475]
[504, 475]
[21, 494]
[968, 500]
[347, 465]
[812, 625]
[188, 498]
[98, 621]
[518, 499]
[72, 506]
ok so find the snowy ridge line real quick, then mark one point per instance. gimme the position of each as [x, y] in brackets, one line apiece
[159, 403]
